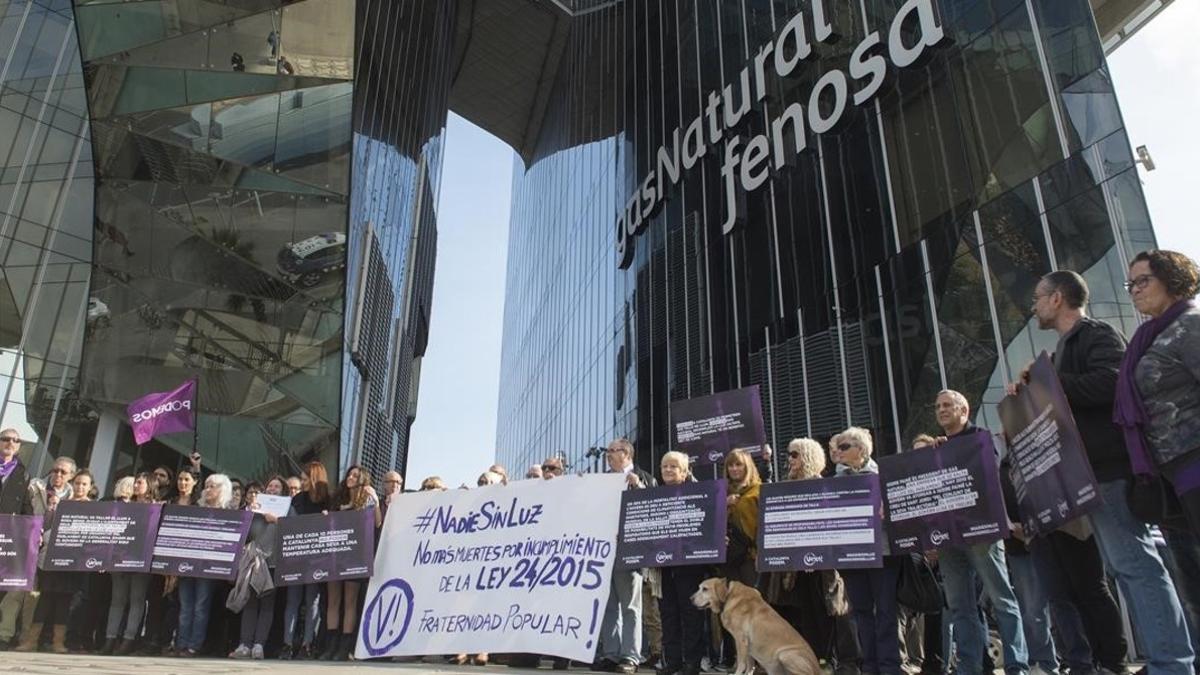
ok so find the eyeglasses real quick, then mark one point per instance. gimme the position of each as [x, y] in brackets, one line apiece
[552, 468]
[1139, 282]
[59, 471]
[9, 439]
[845, 446]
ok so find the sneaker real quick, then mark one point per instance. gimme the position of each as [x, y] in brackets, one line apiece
[242, 652]
[256, 653]
[627, 667]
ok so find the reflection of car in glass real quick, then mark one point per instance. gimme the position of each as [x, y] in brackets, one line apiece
[306, 262]
[97, 312]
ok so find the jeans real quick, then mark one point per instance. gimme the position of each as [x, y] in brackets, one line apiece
[872, 594]
[195, 604]
[621, 632]
[257, 616]
[682, 622]
[1183, 562]
[960, 566]
[1131, 558]
[308, 597]
[128, 589]
[1035, 610]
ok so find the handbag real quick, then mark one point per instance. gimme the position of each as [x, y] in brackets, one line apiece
[1152, 500]
[918, 587]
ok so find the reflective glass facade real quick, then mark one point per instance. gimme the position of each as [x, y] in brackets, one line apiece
[895, 256]
[245, 152]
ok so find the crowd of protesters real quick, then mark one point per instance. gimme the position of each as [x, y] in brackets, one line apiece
[1054, 602]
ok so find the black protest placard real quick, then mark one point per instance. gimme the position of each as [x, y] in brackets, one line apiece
[19, 538]
[89, 536]
[333, 547]
[708, 427]
[823, 523]
[1050, 469]
[672, 525]
[944, 496]
[195, 541]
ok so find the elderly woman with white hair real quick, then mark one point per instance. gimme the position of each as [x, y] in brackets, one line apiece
[872, 591]
[814, 602]
[195, 595]
[682, 623]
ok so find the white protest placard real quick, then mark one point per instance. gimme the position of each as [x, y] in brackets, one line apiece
[517, 568]
[276, 505]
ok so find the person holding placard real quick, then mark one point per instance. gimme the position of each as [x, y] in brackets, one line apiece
[195, 594]
[259, 610]
[53, 603]
[682, 622]
[129, 588]
[14, 500]
[961, 566]
[341, 613]
[304, 600]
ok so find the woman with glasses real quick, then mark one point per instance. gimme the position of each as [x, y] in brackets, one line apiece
[297, 642]
[195, 594]
[814, 602]
[341, 611]
[129, 588]
[1158, 387]
[872, 592]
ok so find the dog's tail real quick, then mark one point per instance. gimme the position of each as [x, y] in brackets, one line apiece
[800, 662]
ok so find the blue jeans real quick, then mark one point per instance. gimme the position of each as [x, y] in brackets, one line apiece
[306, 598]
[960, 566]
[1183, 562]
[1130, 557]
[1035, 610]
[872, 595]
[621, 631]
[195, 604]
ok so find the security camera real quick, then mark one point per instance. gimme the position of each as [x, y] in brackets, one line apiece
[1144, 158]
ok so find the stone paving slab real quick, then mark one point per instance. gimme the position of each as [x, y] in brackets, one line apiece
[58, 664]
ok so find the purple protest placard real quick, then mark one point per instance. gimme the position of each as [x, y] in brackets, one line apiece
[818, 524]
[331, 547]
[672, 525]
[163, 412]
[102, 537]
[708, 427]
[947, 496]
[19, 539]
[195, 541]
[1050, 469]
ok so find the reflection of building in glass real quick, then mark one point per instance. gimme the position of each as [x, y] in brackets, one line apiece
[245, 154]
[895, 255]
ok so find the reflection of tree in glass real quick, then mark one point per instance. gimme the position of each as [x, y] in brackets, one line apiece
[230, 239]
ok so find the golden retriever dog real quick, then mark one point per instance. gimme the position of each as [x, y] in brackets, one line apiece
[760, 633]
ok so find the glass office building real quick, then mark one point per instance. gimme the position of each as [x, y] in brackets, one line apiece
[890, 251]
[261, 218]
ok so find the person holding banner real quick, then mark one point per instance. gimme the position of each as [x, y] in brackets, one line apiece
[744, 484]
[195, 593]
[297, 642]
[1088, 359]
[55, 588]
[682, 622]
[341, 612]
[259, 610]
[961, 566]
[872, 592]
[620, 648]
[129, 588]
[14, 500]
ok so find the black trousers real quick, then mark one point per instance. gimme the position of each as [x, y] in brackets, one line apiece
[1074, 573]
[682, 622]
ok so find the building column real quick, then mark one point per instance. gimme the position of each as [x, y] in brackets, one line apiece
[104, 449]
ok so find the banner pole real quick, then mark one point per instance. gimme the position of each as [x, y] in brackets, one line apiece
[196, 417]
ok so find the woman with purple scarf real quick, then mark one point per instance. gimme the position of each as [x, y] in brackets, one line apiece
[1158, 389]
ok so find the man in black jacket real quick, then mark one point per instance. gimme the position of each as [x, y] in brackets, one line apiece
[1087, 359]
[14, 501]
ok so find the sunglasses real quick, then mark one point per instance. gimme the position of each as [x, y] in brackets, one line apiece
[9, 439]
[793, 454]
[552, 468]
[845, 446]
[61, 471]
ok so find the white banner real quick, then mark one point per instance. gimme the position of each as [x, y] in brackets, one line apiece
[517, 568]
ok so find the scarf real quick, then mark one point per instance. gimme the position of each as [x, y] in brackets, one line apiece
[6, 469]
[1128, 412]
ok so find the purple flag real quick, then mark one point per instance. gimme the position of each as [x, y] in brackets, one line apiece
[163, 413]
[19, 537]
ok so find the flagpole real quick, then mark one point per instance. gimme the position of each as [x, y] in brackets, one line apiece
[196, 418]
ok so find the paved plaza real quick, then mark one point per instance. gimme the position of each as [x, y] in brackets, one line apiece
[56, 664]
